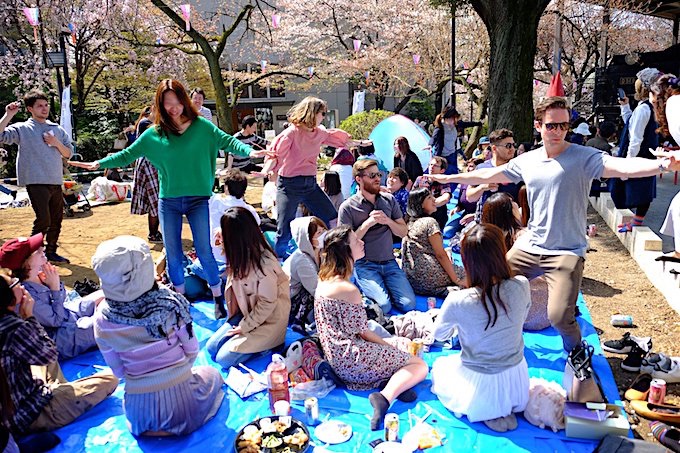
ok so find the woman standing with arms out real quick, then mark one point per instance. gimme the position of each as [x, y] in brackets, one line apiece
[294, 153]
[489, 380]
[361, 358]
[407, 160]
[183, 147]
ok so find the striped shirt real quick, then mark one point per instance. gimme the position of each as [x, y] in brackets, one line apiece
[148, 364]
[253, 140]
[24, 343]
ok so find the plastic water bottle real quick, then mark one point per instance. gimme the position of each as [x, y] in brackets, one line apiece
[277, 379]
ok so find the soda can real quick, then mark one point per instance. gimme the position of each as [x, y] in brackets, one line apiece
[417, 347]
[312, 410]
[657, 391]
[592, 230]
[431, 302]
[391, 427]
[621, 320]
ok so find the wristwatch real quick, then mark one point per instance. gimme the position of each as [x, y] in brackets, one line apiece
[664, 164]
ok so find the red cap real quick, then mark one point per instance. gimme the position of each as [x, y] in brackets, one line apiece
[14, 252]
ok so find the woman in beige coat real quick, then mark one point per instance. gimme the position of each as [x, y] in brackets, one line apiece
[257, 293]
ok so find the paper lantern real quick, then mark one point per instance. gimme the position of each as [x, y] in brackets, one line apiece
[263, 65]
[389, 129]
[416, 59]
[276, 20]
[357, 44]
[186, 14]
[310, 71]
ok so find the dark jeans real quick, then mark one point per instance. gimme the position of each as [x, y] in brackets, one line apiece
[291, 192]
[47, 201]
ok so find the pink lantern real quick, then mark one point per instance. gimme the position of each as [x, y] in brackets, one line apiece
[186, 14]
[357, 44]
[416, 59]
[466, 65]
[32, 15]
[310, 71]
[276, 20]
[263, 65]
[536, 82]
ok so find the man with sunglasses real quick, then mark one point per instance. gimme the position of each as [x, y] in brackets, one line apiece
[375, 216]
[558, 177]
[502, 150]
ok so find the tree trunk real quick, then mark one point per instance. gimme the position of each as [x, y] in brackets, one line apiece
[512, 29]
[221, 102]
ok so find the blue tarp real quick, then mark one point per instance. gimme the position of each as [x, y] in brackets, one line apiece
[103, 429]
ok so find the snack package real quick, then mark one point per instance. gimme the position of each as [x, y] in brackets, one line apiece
[422, 436]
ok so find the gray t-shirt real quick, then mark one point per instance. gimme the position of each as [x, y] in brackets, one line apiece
[497, 348]
[37, 162]
[378, 239]
[557, 190]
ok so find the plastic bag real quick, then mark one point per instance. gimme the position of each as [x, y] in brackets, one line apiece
[317, 389]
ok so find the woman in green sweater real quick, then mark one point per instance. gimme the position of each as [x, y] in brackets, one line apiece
[183, 147]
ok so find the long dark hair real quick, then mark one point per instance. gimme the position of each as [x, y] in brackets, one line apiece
[146, 111]
[483, 252]
[403, 145]
[336, 255]
[162, 120]
[244, 244]
[331, 183]
[414, 207]
[498, 211]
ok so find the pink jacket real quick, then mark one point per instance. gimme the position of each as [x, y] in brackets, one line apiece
[296, 149]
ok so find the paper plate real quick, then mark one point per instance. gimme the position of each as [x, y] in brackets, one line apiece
[390, 447]
[333, 432]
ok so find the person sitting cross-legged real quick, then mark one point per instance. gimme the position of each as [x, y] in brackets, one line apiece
[375, 216]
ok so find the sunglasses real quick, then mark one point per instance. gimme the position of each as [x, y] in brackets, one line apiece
[373, 175]
[554, 126]
[323, 113]
[15, 282]
[509, 146]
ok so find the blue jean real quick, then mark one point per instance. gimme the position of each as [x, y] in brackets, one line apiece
[171, 211]
[386, 284]
[218, 346]
[290, 193]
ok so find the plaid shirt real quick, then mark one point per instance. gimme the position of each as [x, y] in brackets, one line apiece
[24, 343]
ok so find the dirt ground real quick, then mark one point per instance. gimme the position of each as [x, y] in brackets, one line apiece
[613, 283]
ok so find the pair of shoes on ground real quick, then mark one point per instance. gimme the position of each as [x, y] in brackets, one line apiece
[54, 258]
[660, 366]
[637, 394]
[636, 349]
[156, 238]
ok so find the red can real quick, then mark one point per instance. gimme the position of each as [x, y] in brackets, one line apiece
[592, 230]
[657, 391]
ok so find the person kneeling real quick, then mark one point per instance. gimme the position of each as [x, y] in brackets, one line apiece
[41, 396]
[257, 293]
[361, 358]
[489, 380]
[145, 334]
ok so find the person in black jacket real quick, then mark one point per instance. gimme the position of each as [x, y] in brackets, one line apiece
[444, 141]
[407, 160]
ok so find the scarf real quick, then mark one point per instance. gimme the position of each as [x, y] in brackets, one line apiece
[158, 310]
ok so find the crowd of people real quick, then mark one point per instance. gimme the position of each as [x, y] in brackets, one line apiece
[520, 215]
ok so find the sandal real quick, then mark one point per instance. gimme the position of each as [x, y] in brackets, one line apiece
[639, 389]
[663, 412]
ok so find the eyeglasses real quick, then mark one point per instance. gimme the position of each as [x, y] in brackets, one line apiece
[15, 282]
[554, 126]
[509, 146]
[373, 175]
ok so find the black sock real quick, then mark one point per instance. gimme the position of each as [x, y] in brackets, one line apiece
[380, 406]
[408, 396]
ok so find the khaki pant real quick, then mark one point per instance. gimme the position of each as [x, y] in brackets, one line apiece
[70, 400]
[563, 273]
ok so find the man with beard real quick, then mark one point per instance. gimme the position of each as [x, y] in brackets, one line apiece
[375, 216]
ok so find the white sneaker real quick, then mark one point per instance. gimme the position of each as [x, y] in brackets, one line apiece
[669, 372]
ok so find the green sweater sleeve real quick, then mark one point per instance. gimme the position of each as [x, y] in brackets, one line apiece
[230, 144]
[124, 157]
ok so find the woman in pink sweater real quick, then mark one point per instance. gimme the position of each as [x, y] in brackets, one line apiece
[294, 153]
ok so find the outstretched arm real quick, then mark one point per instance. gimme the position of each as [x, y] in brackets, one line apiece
[637, 167]
[481, 176]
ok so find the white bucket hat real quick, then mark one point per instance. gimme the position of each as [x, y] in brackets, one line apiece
[582, 129]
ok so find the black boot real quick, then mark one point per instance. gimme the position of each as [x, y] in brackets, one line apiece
[220, 309]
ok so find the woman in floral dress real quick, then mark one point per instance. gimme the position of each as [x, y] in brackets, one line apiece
[424, 260]
[361, 358]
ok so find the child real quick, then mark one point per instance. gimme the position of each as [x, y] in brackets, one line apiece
[70, 328]
[397, 179]
[489, 315]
